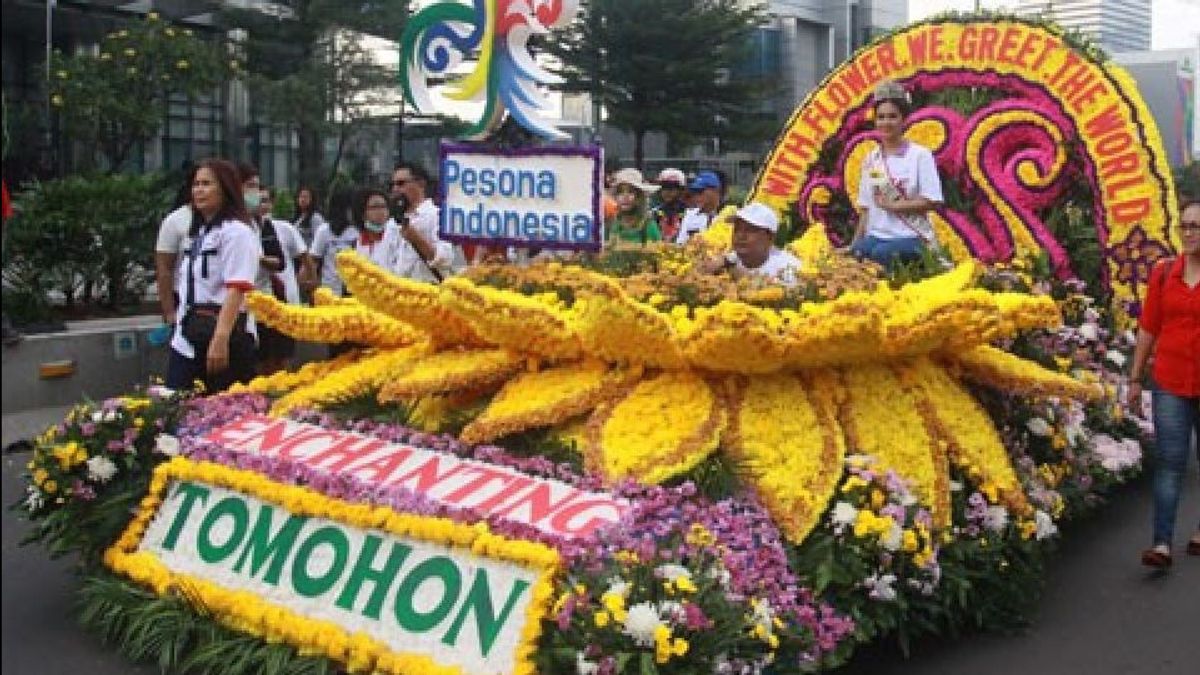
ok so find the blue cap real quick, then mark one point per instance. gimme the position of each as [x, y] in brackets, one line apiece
[704, 180]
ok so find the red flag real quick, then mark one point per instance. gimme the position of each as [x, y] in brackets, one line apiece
[8, 209]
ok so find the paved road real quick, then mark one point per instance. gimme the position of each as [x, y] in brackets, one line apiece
[1101, 614]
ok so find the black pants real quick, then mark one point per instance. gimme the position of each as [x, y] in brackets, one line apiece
[243, 359]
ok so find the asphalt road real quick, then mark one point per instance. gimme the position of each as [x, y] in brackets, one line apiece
[1102, 613]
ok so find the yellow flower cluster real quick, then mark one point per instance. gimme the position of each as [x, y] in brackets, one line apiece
[535, 324]
[362, 377]
[413, 302]
[666, 646]
[882, 419]
[963, 424]
[666, 425]
[790, 443]
[547, 397]
[323, 296]
[250, 613]
[343, 322]
[999, 369]
[452, 370]
[613, 326]
[812, 246]
[285, 381]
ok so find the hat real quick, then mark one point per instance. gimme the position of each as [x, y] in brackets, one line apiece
[759, 215]
[705, 180]
[889, 90]
[671, 176]
[632, 177]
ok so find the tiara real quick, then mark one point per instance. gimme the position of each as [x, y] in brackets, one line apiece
[890, 89]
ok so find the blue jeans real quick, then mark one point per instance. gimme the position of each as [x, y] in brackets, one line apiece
[888, 251]
[1176, 424]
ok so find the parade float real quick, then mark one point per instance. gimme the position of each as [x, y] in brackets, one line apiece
[615, 464]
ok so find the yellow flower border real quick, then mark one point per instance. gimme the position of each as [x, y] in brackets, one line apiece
[246, 612]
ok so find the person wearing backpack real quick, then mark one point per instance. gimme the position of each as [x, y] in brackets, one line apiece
[1169, 331]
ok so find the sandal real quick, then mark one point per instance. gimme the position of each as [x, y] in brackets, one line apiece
[1193, 547]
[1156, 558]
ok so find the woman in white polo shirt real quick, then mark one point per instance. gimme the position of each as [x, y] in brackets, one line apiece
[214, 340]
[897, 189]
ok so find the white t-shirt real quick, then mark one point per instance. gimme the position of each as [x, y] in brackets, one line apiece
[780, 266]
[325, 247]
[914, 172]
[408, 262]
[315, 223]
[173, 237]
[694, 222]
[293, 247]
[231, 251]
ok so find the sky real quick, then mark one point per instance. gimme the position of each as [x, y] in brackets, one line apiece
[1173, 23]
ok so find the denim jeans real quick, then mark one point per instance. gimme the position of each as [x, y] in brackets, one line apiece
[888, 251]
[1176, 425]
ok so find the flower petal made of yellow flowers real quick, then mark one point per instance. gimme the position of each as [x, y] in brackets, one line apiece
[366, 375]
[845, 331]
[451, 370]
[968, 430]
[1012, 374]
[333, 323]
[413, 302]
[789, 446]
[813, 245]
[881, 419]
[546, 397]
[666, 425]
[736, 337]
[512, 320]
[1022, 311]
[615, 327]
[285, 381]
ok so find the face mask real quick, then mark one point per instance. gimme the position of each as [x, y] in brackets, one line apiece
[373, 227]
[252, 199]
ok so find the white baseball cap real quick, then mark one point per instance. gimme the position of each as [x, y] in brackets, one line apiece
[671, 176]
[759, 215]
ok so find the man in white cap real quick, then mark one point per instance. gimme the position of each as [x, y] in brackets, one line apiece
[754, 251]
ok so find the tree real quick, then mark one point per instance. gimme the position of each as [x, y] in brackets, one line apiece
[113, 99]
[309, 69]
[661, 65]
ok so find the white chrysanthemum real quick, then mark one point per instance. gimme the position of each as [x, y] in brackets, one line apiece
[640, 623]
[1117, 358]
[1090, 332]
[618, 586]
[996, 518]
[880, 587]
[166, 444]
[34, 499]
[583, 666]
[894, 537]
[1045, 525]
[105, 416]
[101, 469]
[672, 572]
[956, 486]
[844, 514]
[1039, 426]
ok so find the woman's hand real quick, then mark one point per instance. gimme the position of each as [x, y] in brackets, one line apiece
[1133, 397]
[884, 202]
[218, 354]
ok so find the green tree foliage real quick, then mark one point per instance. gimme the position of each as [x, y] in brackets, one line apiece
[311, 68]
[1187, 180]
[110, 100]
[83, 239]
[662, 65]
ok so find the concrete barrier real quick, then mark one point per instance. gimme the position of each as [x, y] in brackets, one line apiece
[90, 360]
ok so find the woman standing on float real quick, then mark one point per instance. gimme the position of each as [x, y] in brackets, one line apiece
[898, 188]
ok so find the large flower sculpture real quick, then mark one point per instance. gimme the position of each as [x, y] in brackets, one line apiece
[783, 392]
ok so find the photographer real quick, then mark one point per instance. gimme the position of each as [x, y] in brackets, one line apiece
[420, 254]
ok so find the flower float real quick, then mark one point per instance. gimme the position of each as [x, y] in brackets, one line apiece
[1039, 132]
[783, 391]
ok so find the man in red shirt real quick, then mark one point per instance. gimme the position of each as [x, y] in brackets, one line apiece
[1169, 328]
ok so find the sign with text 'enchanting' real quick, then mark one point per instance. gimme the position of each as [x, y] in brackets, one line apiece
[551, 506]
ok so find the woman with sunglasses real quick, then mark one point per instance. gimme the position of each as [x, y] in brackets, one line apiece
[1169, 330]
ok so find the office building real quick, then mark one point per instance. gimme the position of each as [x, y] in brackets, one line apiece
[1115, 25]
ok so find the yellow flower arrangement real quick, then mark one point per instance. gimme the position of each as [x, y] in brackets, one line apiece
[308, 374]
[365, 375]
[529, 324]
[453, 370]
[250, 613]
[343, 322]
[997, 368]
